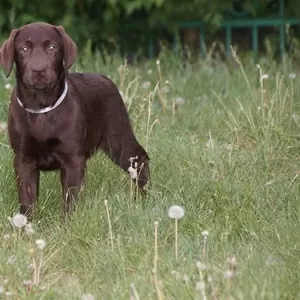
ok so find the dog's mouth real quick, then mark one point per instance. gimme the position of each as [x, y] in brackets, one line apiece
[39, 86]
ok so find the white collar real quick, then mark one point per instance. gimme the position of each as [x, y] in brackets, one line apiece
[48, 108]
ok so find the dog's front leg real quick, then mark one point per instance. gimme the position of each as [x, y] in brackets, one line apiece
[28, 176]
[72, 176]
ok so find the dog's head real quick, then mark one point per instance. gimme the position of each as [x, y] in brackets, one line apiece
[41, 52]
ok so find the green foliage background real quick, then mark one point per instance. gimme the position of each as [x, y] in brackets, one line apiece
[104, 23]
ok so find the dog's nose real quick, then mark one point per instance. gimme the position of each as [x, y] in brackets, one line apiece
[39, 72]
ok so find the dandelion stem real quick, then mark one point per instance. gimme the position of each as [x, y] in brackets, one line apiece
[155, 246]
[176, 238]
[109, 225]
[134, 292]
[39, 269]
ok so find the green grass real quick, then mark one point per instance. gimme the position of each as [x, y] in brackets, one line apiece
[229, 155]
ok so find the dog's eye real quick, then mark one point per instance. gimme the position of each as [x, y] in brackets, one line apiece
[24, 49]
[51, 48]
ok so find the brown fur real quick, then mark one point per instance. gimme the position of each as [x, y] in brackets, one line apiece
[92, 116]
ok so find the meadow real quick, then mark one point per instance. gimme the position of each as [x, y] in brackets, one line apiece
[224, 145]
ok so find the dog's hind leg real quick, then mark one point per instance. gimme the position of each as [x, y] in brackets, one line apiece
[128, 153]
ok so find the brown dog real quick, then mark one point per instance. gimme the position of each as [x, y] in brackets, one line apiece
[58, 120]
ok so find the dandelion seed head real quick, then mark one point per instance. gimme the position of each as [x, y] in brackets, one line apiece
[200, 266]
[6, 236]
[185, 278]
[19, 220]
[179, 101]
[200, 286]
[292, 76]
[229, 274]
[176, 275]
[29, 229]
[3, 126]
[41, 244]
[264, 76]
[176, 212]
[231, 260]
[27, 282]
[205, 233]
[87, 297]
[132, 172]
[146, 85]
[11, 260]
[158, 62]
[8, 86]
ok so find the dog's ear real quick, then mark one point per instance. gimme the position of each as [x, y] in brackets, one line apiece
[70, 48]
[7, 53]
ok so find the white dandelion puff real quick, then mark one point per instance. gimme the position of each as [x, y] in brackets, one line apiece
[19, 220]
[229, 274]
[29, 229]
[179, 101]
[158, 62]
[41, 244]
[176, 212]
[200, 266]
[11, 260]
[292, 76]
[8, 86]
[200, 286]
[205, 233]
[132, 172]
[27, 282]
[87, 297]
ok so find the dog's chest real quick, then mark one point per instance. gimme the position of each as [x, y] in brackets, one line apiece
[42, 127]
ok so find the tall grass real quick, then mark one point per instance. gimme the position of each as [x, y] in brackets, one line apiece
[224, 145]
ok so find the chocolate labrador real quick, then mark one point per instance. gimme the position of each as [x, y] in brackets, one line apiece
[57, 120]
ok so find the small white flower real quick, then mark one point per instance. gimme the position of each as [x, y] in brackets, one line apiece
[6, 236]
[176, 212]
[179, 101]
[11, 260]
[200, 266]
[132, 172]
[205, 233]
[19, 220]
[87, 297]
[41, 244]
[8, 86]
[29, 229]
[292, 76]
[200, 286]
[229, 274]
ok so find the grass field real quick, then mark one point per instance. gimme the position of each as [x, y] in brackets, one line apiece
[224, 145]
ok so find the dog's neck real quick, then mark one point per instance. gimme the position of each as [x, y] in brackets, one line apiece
[35, 99]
